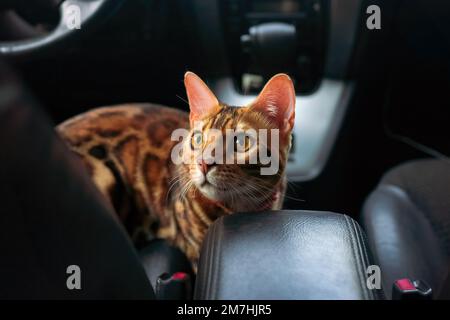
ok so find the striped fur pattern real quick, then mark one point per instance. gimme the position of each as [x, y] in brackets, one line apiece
[127, 151]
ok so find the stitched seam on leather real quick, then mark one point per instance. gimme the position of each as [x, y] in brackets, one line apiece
[364, 255]
[203, 277]
[377, 293]
[215, 259]
[218, 256]
[356, 254]
[210, 253]
[204, 288]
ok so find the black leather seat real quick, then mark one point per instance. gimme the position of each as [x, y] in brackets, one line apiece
[52, 216]
[159, 257]
[407, 221]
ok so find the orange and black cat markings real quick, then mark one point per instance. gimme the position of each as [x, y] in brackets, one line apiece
[127, 151]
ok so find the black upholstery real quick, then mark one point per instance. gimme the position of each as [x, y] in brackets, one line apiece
[159, 257]
[284, 255]
[52, 216]
[407, 221]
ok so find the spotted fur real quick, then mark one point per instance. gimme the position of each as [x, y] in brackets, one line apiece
[127, 152]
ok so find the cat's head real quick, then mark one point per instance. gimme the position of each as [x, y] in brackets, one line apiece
[216, 165]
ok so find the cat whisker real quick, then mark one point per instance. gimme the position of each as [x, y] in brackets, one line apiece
[182, 99]
[187, 187]
[175, 181]
[252, 194]
[258, 185]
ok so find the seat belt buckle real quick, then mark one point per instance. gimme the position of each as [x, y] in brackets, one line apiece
[173, 287]
[406, 289]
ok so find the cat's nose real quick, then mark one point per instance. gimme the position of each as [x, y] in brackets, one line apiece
[204, 167]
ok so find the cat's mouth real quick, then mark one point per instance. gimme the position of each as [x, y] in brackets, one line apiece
[207, 183]
[215, 191]
[211, 186]
[210, 189]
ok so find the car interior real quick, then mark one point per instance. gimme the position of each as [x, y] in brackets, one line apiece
[367, 210]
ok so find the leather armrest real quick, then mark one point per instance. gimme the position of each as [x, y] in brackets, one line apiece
[284, 255]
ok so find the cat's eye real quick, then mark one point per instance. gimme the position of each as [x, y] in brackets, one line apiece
[196, 140]
[243, 142]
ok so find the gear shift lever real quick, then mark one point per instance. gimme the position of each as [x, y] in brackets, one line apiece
[272, 47]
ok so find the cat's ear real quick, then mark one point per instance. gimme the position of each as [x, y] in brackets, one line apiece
[202, 101]
[277, 102]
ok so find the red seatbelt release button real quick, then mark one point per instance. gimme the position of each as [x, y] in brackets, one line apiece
[407, 289]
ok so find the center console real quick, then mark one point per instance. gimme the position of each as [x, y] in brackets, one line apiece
[243, 43]
[267, 36]
[285, 254]
[301, 255]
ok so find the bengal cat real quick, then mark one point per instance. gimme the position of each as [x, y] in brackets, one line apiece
[127, 150]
